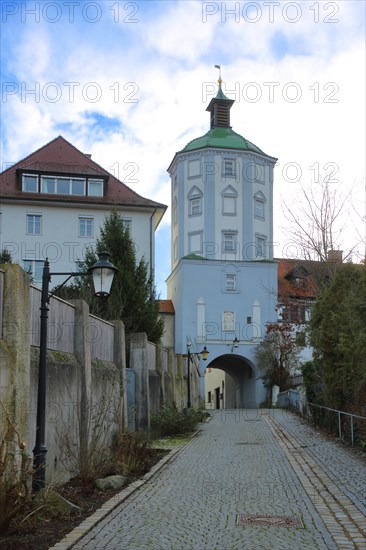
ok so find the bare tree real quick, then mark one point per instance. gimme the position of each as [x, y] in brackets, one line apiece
[318, 225]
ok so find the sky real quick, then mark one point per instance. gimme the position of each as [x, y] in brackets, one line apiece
[129, 82]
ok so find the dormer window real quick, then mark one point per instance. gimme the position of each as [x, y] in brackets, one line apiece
[30, 183]
[62, 185]
[56, 185]
[95, 188]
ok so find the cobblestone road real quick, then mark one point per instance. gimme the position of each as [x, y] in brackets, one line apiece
[245, 463]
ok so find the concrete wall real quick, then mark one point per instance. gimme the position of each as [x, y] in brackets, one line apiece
[89, 396]
[85, 403]
[159, 381]
[14, 354]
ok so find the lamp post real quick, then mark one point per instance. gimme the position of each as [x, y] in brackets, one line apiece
[204, 354]
[235, 343]
[103, 272]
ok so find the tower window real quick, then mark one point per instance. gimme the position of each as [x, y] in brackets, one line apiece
[260, 243]
[230, 281]
[229, 241]
[195, 202]
[259, 202]
[195, 206]
[229, 201]
[195, 243]
[229, 168]
[175, 211]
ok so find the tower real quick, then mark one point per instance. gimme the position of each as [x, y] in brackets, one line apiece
[223, 282]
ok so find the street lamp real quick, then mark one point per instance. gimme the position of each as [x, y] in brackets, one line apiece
[235, 343]
[204, 353]
[102, 272]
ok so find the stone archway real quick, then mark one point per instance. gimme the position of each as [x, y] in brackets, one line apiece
[243, 382]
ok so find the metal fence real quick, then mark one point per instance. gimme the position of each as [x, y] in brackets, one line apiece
[347, 426]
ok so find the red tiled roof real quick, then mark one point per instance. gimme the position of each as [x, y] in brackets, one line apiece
[166, 306]
[288, 270]
[60, 156]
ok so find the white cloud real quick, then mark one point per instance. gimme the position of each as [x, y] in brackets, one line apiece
[165, 63]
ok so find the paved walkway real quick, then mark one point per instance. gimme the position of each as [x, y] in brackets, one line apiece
[245, 469]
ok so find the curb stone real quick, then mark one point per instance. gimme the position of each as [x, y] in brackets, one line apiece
[89, 523]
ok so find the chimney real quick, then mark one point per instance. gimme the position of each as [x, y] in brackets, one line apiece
[88, 155]
[335, 256]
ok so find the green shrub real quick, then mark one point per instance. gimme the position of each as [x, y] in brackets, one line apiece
[170, 421]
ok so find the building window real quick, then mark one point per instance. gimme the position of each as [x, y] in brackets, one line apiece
[280, 312]
[230, 282]
[95, 188]
[258, 209]
[127, 224]
[259, 173]
[30, 183]
[195, 242]
[86, 227]
[175, 211]
[195, 202]
[307, 314]
[195, 206]
[260, 246]
[194, 168]
[229, 241]
[62, 185]
[229, 201]
[259, 202]
[34, 224]
[34, 268]
[229, 168]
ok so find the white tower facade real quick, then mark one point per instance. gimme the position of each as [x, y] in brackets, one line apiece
[223, 282]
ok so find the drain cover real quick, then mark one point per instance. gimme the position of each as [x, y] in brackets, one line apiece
[261, 519]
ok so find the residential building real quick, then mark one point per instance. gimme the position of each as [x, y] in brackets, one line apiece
[53, 205]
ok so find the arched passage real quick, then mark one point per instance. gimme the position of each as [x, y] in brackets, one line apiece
[239, 390]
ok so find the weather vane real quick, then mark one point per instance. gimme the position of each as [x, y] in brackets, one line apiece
[219, 67]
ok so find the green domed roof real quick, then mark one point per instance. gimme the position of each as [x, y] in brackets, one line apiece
[224, 138]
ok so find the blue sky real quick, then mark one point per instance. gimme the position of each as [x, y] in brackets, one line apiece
[129, 82]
